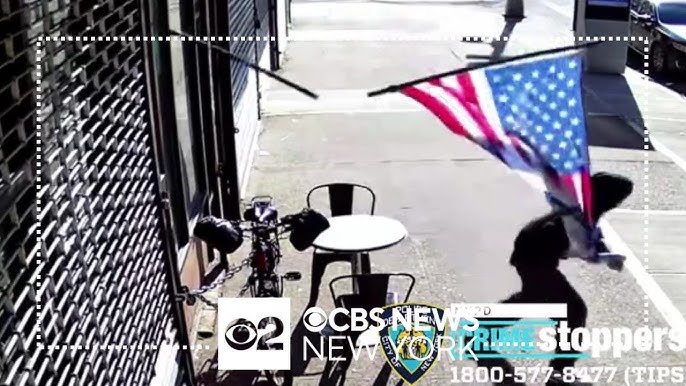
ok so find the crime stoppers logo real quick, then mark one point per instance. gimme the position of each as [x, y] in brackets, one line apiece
[254, 334]
[411, 352]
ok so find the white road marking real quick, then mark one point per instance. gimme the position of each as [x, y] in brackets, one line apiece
[651, 212]
[660, 147]
[661, 301]
[653, 118]
[647, 283]
[633, 73]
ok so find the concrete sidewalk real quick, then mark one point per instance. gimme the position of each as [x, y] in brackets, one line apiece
[447, 192]
[462, 208]
[419, 20]
[655, 227]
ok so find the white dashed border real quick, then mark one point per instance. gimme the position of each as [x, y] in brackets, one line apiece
[336, 36]
[39, 185]
[39, 54]
[646, 186]
[122, 347]
[352, 37]
[157, 38]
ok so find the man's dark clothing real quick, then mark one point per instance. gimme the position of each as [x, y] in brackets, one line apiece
[536, 256]
[541, 244]
[551, 286]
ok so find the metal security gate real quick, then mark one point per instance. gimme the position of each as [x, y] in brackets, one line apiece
[242, 29]
[18, 246]
[92, 305]
[249, 25]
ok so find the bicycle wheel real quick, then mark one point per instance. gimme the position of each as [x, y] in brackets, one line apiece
[268, 287]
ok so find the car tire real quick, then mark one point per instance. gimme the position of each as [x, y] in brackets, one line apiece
[658, 59]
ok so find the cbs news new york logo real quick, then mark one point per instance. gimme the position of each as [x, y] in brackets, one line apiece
[254, 331]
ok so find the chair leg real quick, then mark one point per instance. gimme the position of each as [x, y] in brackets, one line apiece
[366, 265]
[319, 264]
[318, 269]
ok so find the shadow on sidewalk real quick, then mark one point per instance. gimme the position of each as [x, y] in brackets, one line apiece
[498, 46]
[612, 131]
[613, 118]
[208, 374]
[334, 372]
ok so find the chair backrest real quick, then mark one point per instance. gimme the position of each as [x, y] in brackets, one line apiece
[341, 197]
[372, 289]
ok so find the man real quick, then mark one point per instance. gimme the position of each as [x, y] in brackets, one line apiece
[538, 249]
[544, 241]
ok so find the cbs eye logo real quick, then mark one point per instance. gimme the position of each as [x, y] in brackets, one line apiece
[242, 334]
[315, 319]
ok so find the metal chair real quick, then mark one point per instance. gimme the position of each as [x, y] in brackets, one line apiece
[373, 292]
[341, 199]
[341, 195]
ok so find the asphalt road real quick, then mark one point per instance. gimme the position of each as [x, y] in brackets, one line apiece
[461, 207]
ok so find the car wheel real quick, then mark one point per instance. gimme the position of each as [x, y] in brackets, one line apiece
[658, 59]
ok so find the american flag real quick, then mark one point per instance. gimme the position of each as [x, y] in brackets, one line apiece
[527, 113]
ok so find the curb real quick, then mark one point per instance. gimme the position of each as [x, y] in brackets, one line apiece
[648, 79]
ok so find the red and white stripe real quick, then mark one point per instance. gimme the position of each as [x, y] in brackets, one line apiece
[464, 103]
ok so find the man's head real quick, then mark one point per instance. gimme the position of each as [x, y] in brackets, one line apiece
[547, 239]
[542, 242]
[609, 191]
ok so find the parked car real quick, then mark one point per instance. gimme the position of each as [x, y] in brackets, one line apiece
[663, 22]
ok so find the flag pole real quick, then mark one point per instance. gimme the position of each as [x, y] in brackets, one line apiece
[397, 87]
[249, 64]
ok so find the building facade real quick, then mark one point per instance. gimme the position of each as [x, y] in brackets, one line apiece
[118, 129]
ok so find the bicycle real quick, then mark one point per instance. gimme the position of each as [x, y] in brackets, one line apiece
[263, 227]
[265, 230]
[265, 255]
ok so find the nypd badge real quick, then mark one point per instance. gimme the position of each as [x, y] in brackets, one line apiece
[411, 344]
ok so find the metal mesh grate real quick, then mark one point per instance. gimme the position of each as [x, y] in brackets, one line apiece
[18, 247]
[102, 281]
[243, 33]
[262, 32]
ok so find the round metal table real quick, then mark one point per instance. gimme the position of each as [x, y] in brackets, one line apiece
[360, 233]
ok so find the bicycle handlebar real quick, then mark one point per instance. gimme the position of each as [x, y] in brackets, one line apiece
[249, 225]
[228, 235]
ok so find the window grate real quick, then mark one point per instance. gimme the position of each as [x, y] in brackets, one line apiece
[102, 280]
